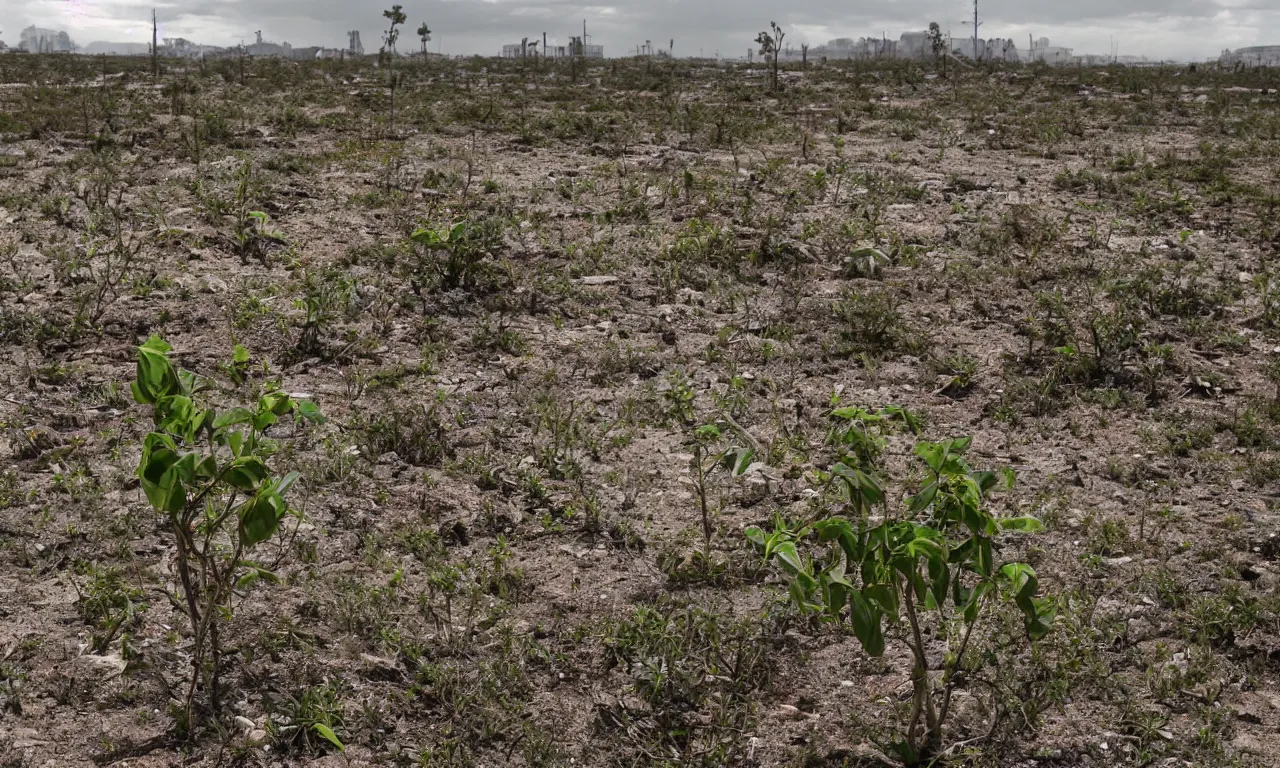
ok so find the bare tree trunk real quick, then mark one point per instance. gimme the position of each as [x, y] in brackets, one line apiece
[155, 52]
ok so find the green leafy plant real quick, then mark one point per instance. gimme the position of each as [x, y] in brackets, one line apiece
[706, 457]
[309, 721]
[206, 471]
[934, 556]
[456, 253]
[109, 603]
[238, 369]
[249, 230]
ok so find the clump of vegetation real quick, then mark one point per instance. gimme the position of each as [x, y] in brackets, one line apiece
[893, 568]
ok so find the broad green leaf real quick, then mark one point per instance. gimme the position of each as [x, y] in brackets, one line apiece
[885, 597]
[848, 413]
[926, 547]
[190, 384]
[309, 411]
[959, 592]
[940, 576]
[755, 535]
[160, 483]
[923, 499]
[247, 473]
[866, 624]
[260, 517]
[328, 735]
[1021, 579]
[932, 453]
[157, 344]
[983, 560]
[917, 584]
[231, 417]
[835, 594]
[240, 355]
[424, 236]
[906, 753]
[739, 461]
[912, 421]
[263, 419]
[798, 595]
[974, 603]
[858, 485]
[253, 574]
[1040, 619]
[176, 411]
[156, 377]
[790, 559]
[840, 530]
[201, 422]
[170, 492]
[833, 528]
[286, 483]
[1022, 524]
[985, 479]
[206, 468]
[278, 403]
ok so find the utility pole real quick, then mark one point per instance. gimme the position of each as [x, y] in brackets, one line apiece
[155, 52]
[975, 30]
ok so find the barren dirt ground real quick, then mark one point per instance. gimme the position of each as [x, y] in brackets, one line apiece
[497, 552]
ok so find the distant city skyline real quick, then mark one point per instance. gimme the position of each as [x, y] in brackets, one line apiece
[1158, 29]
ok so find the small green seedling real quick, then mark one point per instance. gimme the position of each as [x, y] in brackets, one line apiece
[456, 252]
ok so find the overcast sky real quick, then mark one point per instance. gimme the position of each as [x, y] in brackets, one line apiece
[1189, 29]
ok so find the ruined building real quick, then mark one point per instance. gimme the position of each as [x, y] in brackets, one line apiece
[354, 48]
[182, 48]
[528, 48]
[1256, 56]
[36, 40]
[262, 47]
[1049, 54]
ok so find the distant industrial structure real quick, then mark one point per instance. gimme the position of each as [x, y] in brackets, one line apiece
[100, 47]
[919, 45]
[529, 48]
[910, 45]
[577, 47]
[1257, 56]
[181, 48]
